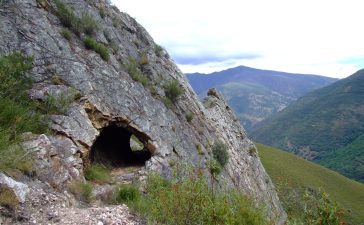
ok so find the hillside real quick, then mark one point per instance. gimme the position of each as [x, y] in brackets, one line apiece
[79, 79]
[323, 121]
[292, 175]
[256, 94]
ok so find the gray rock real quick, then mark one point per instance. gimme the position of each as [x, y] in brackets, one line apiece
[19, 189]
[55, 159]
[110, 97]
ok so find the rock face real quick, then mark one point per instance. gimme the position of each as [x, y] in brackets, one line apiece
[108, 96]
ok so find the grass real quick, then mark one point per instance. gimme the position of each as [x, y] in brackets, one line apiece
[66, 34]
[91, 43]
[82, 190]
[173, 90]
[220, 153]
[8, 198]
[190, 200]
[86, 24]
[293, 175]
[98, 173]
[143, 59]
[66, 15]
[189, 116]
[126, 193]
[133, 70]
[58, 104]
[18, 113]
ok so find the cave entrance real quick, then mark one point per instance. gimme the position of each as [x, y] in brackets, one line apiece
[117, 146]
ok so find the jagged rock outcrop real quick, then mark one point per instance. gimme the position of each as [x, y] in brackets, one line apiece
[107, 96]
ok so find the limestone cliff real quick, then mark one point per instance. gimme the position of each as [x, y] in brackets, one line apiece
[112, 100]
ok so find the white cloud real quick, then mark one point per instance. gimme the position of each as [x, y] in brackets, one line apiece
[311, 36]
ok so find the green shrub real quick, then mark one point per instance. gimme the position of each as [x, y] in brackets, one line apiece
[99, 48]
[56, 80]
[199, 149]
[58, 104]
[114, 46]
[90, 43]
[82, 190]
[66, 34]
[220, 153]
[173, 90]
[189, 117]
[214, 167]
[68, 18]
[102, 12]
[324, 212]
[103, 51]
[190, 200]
[143, 59]
[115, 22]
[88, 25]
[167, 102]
[18, 113]
[153, 90]
[126, 194]
[66, 15]
[135, 73]
[97, 173]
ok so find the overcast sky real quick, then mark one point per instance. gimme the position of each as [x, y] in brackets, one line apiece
[324, 37]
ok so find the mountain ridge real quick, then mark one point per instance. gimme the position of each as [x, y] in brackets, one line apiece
[255, 94]
[323, 121]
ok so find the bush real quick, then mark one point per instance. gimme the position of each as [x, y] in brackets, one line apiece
[58, 104]
[66, 15]
[214, 167]
[82, 190]
[135, 73]
[189, 117]
[190, 200]
[220, 153]
[18, 113]
[103, 52]
[126, 194]
[88, 25]
[97, 173]
[114, 46]
[167, 102]
[90, 43]
[99, 48]
[324, 212]
[173, 90]
[143, 59]
[69, 19]
[102, 12]
[66, 34]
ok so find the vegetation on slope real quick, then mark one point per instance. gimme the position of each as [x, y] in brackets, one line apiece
[348, 160]
[292, 176]
[18, 113]
[192, 199]
[321, 122]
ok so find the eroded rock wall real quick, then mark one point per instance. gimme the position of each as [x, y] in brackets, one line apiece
[108, 95]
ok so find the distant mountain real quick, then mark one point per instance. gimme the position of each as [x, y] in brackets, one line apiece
[293, 175]
[256, 94]
[326, 125]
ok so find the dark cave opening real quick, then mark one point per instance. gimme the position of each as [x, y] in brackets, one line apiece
[112, 148]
